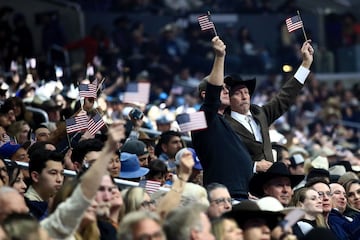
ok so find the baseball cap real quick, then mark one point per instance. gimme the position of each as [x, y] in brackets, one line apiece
[135, 147]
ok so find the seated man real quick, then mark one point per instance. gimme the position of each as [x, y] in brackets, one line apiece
[220, 200]
[342, 226]
[47, 176]
[276, 182]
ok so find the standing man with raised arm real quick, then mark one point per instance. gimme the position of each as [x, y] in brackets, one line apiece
[222, 154]
[251, 122]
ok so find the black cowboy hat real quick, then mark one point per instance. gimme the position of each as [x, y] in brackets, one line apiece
[278, 169]
[234, 82]
[267, 208]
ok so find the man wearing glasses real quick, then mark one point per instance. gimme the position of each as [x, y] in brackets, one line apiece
[220, 200]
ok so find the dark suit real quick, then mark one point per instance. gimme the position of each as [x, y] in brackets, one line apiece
[265, 116]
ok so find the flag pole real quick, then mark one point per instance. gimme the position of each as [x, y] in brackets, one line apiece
[99, 85]
[67, 135]
[209, 15]
[303, 29]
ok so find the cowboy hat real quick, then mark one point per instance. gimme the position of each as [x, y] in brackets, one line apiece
[267, 208]
[235, 82]
[278, 169]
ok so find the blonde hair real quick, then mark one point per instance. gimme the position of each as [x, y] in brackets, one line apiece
[218, 227]
[133, 197]
[194, 193]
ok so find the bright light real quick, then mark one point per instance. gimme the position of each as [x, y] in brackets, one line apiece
[287, 68]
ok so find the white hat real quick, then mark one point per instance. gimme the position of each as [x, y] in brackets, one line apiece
[320, 162]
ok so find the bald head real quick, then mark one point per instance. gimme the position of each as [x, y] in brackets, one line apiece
[338, 197]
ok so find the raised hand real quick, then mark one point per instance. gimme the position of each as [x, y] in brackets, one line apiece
[218, 46]
[307, 52]
[116, 133]
[186, 164]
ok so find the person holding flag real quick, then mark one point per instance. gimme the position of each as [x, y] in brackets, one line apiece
[251, 122]
[222, 154]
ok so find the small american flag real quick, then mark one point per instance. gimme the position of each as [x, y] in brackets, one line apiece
[77, 123]
[150, 186]
[294, 23]
[88, 90]
[205, 23]
[95, 124]
[191, 121]
[137, 92]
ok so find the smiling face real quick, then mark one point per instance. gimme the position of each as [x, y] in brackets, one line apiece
[338, 197]
[114, 165]
[312, 202]
[325, 195]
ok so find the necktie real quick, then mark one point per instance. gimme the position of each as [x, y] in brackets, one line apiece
[248, 117]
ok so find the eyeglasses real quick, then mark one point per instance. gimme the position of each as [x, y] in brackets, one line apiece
[222, 201]
[322, 194]
[147, 204]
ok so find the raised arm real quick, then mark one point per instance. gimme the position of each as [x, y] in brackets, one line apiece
[216, 76]
[63, 222]
[90, 181]
[172, 198]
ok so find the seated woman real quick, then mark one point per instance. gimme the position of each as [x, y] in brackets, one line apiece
[309, 200]
[16, 177]
[352, 188]
[226, 229]
[136, 198]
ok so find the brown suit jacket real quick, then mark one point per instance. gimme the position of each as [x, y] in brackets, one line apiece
[265, 116]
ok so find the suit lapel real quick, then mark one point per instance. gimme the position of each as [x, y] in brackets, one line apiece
[239, 128]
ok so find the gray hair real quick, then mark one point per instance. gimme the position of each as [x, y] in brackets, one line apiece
[213, 186]
[179, 223]
[130, 221]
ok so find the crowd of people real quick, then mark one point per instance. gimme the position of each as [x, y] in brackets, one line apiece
[282, 151]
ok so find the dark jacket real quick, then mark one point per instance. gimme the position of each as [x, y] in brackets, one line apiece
[222, 153]
[265, 116]
[342, 227]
